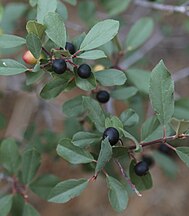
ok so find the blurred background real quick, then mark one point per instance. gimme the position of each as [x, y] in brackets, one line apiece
[21, 108]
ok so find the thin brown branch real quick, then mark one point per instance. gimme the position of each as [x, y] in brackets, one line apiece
[163, 7]
[159, 141]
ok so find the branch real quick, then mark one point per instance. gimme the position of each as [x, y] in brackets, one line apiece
[163, 7]
[159, 141]
[183, 73]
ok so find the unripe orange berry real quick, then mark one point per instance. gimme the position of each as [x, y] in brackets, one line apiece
[29, 58]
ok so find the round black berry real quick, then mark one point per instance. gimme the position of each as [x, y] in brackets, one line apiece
[148, 159]
[164, 149]
[112, 134]
[84, 71]
[59, 66]
[141, 168]
[103, 96]
[70, 47]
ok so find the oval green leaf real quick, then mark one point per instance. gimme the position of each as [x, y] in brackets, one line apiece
[72, 153]
[117, 194]
[161, 93]
[30, 164]
[93, 55]
[5, 204]
[66, 190]
[34, 44]
[10, 67]
[139, 33]
[10, 41]
[83, 139]
[44, 7]
[98, 36]
[110, 77]
[104, 155]
[55, 28]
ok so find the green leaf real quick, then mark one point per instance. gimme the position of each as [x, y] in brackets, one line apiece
[139, 78]
[120, 152]
[9, 155]
[44, 7]
[179, 126]
[33, 3]
[72, 153]
[32, 77]
[110, 77]
[148, 127]
[5, 204]
[17, 205]
[124, 93]
[182, 109]
[29, 210]
[54, 87]
[86, 84]
[43, 184]
[140, 182]
[95, 113]
[30, 164]
[10, 41]
[83, 139]
[183, 153]
[11, 67]
[104, 155]
[139, 33]
[98, 36]
[115, 7]
[161, 93]
[167, 164]
[92, 54]
[73, 107]
[34, 44]
[55, 28]
[129, 118]
[36, 28]
[66, 190]
[113, 121]
[117, 194]
[62, 10]
[131, 137]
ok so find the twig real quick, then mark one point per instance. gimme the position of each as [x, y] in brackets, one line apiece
[183, 73]
[124, 174]
[164, 7]
[161, 140]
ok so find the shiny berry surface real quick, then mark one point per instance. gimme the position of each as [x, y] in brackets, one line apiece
[70, 47]
[112, 134]
[84, 71]
[141, 168]
[103, 96]
[59, 66]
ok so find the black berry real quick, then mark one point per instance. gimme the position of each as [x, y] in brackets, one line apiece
[103, 96]
[84, 71]
[164, 149]
[59, 66]
[112, 134]
[70, 47]
[141, 168]
[148, 159]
